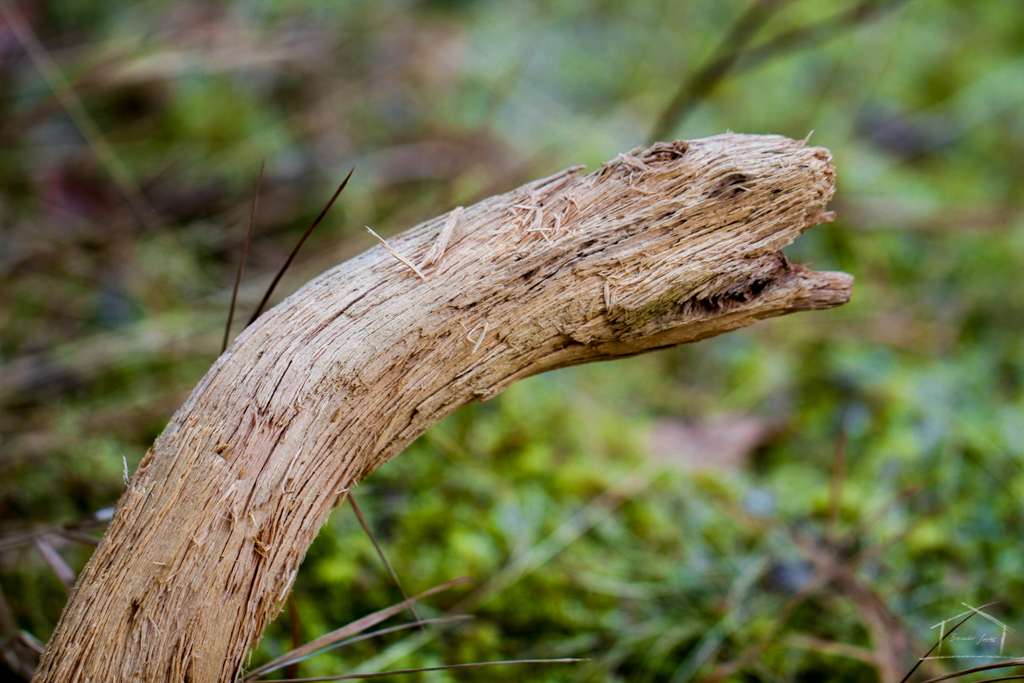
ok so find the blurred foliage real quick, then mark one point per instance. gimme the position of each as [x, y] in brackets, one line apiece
[880, 487]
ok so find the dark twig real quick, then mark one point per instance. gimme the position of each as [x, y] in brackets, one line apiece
[8, 627]
[986, 667]
[55, 562]
[740, 59]
[20, 663]
[78, 537]
[380, 553]
[815, 34]
[291, 257]
[241, 264]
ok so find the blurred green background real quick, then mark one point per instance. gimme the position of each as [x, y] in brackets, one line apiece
[798, 501]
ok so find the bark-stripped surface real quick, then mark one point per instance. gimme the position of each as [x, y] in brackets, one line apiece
[666, 245]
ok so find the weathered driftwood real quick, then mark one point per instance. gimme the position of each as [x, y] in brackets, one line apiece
[662, 246]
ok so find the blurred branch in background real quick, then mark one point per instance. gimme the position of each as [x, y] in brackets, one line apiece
[734, 54]
[63, 91]
[700, 84]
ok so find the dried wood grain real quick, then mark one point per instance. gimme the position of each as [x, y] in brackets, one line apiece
[665, 245]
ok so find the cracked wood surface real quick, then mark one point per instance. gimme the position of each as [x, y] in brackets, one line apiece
[665, 245]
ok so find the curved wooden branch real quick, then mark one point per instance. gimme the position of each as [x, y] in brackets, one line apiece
[666, 245]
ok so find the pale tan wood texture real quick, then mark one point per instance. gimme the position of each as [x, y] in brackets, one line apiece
[670, 244]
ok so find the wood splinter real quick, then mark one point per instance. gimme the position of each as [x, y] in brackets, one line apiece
[436, 252]
[361, 362]
[391, 250]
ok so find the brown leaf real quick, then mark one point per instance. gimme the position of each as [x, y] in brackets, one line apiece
[724, 442]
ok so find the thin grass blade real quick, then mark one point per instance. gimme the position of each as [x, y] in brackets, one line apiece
[367, 636]
[8, 627]
[355, 627]
[380, 553]
[295, 251]
[291, 669]
[78, 537]
[55, 562]
[245, 251]
[977, 669]
[396, 672]
[936, 645]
